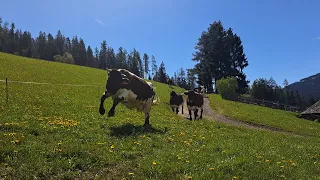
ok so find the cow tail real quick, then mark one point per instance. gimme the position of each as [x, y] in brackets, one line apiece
[157, 100]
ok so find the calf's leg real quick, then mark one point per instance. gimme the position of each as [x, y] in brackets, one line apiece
[115, 103]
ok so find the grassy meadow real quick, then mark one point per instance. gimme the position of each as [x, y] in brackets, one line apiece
[55, 132]
[266, 116]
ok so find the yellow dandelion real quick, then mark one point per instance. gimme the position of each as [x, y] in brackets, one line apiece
[267, 160]
[17, 141]
[182, 133]
[278, 163]
[154, 163]
[282, 166]
[234, 177]
[187, 161]
[198, 150]
[260, 157]
[315, 162]
[112, 146]
[293, 164]
[22, 136]
[124, 179]
[59, 143]
[131, 173]
[211, 169]
[189, 177]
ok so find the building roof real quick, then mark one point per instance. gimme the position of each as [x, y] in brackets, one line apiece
[314, 109]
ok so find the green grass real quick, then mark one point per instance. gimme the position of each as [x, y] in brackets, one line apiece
[56, 132]
[266, 116]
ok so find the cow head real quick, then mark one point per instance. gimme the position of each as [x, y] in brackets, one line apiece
[116, 81]
[173, 93]
[191, 95]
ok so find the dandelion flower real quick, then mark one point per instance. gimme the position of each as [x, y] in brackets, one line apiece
[293, 164]
[187, 161]
[315, 162]
[59, 143]
[17, 141]
[290, 161]
[259, 157]
[131, 173]
[278, 163]
[154, 163]
[234, 177]
[189, 177]
[182, 133]
[211, 169]
[267, 160]
[112, 146]
[282, 166]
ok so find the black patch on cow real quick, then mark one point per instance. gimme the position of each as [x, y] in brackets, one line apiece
[138, 86]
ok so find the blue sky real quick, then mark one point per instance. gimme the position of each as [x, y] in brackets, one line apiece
[281, 38]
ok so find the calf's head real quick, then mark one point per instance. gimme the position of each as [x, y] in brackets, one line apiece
[191, 95]
[116, 81]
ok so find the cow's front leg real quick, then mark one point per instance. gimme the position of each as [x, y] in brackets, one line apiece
[177, 110]
[190, 114]
[115, 103]
[101, 108]
[195, 114]
[201, 113]
[182, 109]
[172, 109]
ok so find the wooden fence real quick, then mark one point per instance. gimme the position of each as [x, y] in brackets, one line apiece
[269, 104]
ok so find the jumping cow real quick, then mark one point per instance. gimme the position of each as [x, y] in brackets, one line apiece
[194, 103]
[175, 101]
[129, 89]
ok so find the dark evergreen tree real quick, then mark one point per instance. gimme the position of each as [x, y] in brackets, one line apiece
[75, 50]
[121, 58]
[51, 48]
[60, 43]
[82, 53]
[41, 45]
[162, 75]
[90, 57]
[68, 45]
[103, 55]
[154, 66]
[146, 63]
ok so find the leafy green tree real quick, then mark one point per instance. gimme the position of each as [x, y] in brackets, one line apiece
[227, 87]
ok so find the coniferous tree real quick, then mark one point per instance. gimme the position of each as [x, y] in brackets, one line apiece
[154, 66]
[121, 58]
[60, 43]
[75, 50]
[162, 75]
[90, 57]
[103, 55]
[82, 53]
[41, 45]
[51, 48]
[68, 45]
[146, 63]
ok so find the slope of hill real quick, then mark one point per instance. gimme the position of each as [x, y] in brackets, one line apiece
[309, 86]
[52, 131]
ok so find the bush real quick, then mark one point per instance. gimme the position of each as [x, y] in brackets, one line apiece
[227, 87]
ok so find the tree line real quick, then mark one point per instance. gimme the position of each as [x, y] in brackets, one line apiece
[60, 48]
[268, 89]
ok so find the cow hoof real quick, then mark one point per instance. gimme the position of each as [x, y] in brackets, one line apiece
[110, 114]
[146, 125]
[102, 111]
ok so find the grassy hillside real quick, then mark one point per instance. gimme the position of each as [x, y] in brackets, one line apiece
[56, 132]
[266, 116]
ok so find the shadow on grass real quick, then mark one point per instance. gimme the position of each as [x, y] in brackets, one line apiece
[134, 130]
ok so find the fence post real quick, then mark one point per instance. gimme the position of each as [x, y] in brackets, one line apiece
[7, 96]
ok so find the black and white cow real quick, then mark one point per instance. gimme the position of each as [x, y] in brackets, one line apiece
[129, 89]
[194, 103]
[175, 101]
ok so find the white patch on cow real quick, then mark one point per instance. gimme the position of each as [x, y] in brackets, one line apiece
[130, 100]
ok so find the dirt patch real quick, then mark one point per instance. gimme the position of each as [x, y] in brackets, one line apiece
[211, 114]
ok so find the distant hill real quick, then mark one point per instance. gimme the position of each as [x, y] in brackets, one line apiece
[309, 86]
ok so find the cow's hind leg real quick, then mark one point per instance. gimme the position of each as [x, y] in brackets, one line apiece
[115, 103]
[201, 113]
[182, 108]
[101, 108]
[190, 114]
[177, 110]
